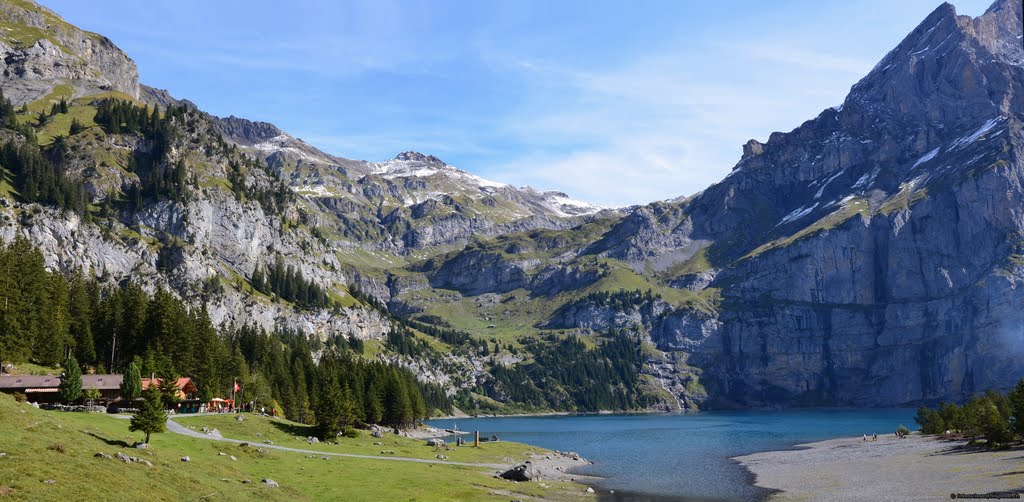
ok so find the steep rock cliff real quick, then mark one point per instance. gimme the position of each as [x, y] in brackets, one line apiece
[870, 255]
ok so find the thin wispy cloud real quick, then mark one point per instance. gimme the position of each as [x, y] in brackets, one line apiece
[613, 103]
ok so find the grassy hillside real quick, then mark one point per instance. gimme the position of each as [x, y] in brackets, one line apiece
[293, 435]
[44, 446]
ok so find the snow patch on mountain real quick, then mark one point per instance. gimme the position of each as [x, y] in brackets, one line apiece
[398, 168]
[926, 157]
[971, 138]
[283, 143]
[798, 213]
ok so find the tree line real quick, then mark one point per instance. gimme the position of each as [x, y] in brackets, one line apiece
[402, 340]
[47, 318]
[288, 283]
[33, 175]
[565, 375]
[996, 417]
[621, 300]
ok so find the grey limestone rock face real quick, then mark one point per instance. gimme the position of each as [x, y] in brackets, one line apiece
[59, 52]
[869, 256]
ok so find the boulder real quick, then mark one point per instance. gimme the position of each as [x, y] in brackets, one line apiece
[103, 455]
[122, 457]
[522, 472]
[185, 458]
[313, 440]
[270, 483]
[378, 433]
[140, 446]
[436, 442]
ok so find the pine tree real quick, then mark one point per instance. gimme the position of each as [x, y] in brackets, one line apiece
[151, 417]
[131, 384]
[81, 321]
[70, 388]
[330, 406]
[374, 404]
[1016, 402]
[168, 385]
[12, 343]
[76, 126]
[397, 407]
[418, 405]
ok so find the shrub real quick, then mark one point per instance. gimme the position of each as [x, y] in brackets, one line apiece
[350, 432]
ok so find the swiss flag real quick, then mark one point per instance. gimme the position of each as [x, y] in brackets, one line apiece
[237, 388]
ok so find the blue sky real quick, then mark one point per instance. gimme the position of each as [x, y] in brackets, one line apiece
[613, 102]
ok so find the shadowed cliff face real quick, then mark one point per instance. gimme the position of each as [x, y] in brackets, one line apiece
[871, 255]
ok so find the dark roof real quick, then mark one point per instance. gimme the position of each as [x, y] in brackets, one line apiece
[101, 382]
[25, 381]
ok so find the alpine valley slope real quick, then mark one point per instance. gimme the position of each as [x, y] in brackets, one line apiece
[242, 195]
[872, 256]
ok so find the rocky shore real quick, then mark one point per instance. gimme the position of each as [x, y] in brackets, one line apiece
[914, 468]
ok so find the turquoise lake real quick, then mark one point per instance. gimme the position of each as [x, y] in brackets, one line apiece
[683, 456]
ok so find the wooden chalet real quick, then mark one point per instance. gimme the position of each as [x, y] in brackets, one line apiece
[187, 393]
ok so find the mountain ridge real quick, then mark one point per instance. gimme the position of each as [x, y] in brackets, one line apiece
[870, 256]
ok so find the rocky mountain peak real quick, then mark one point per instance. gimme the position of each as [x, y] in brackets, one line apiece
[751, 148]
[411, 156]
[39, 50]
[999, 30]
[950, 69]
[247, 132]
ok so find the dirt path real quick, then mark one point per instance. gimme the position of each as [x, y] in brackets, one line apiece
[177, 428]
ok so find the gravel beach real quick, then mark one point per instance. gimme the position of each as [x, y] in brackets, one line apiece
[915, 468]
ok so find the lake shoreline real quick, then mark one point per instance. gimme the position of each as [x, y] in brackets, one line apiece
[913, 468]
[541, 414]
[677, 456]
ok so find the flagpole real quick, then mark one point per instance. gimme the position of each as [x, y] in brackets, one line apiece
[234, 384]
